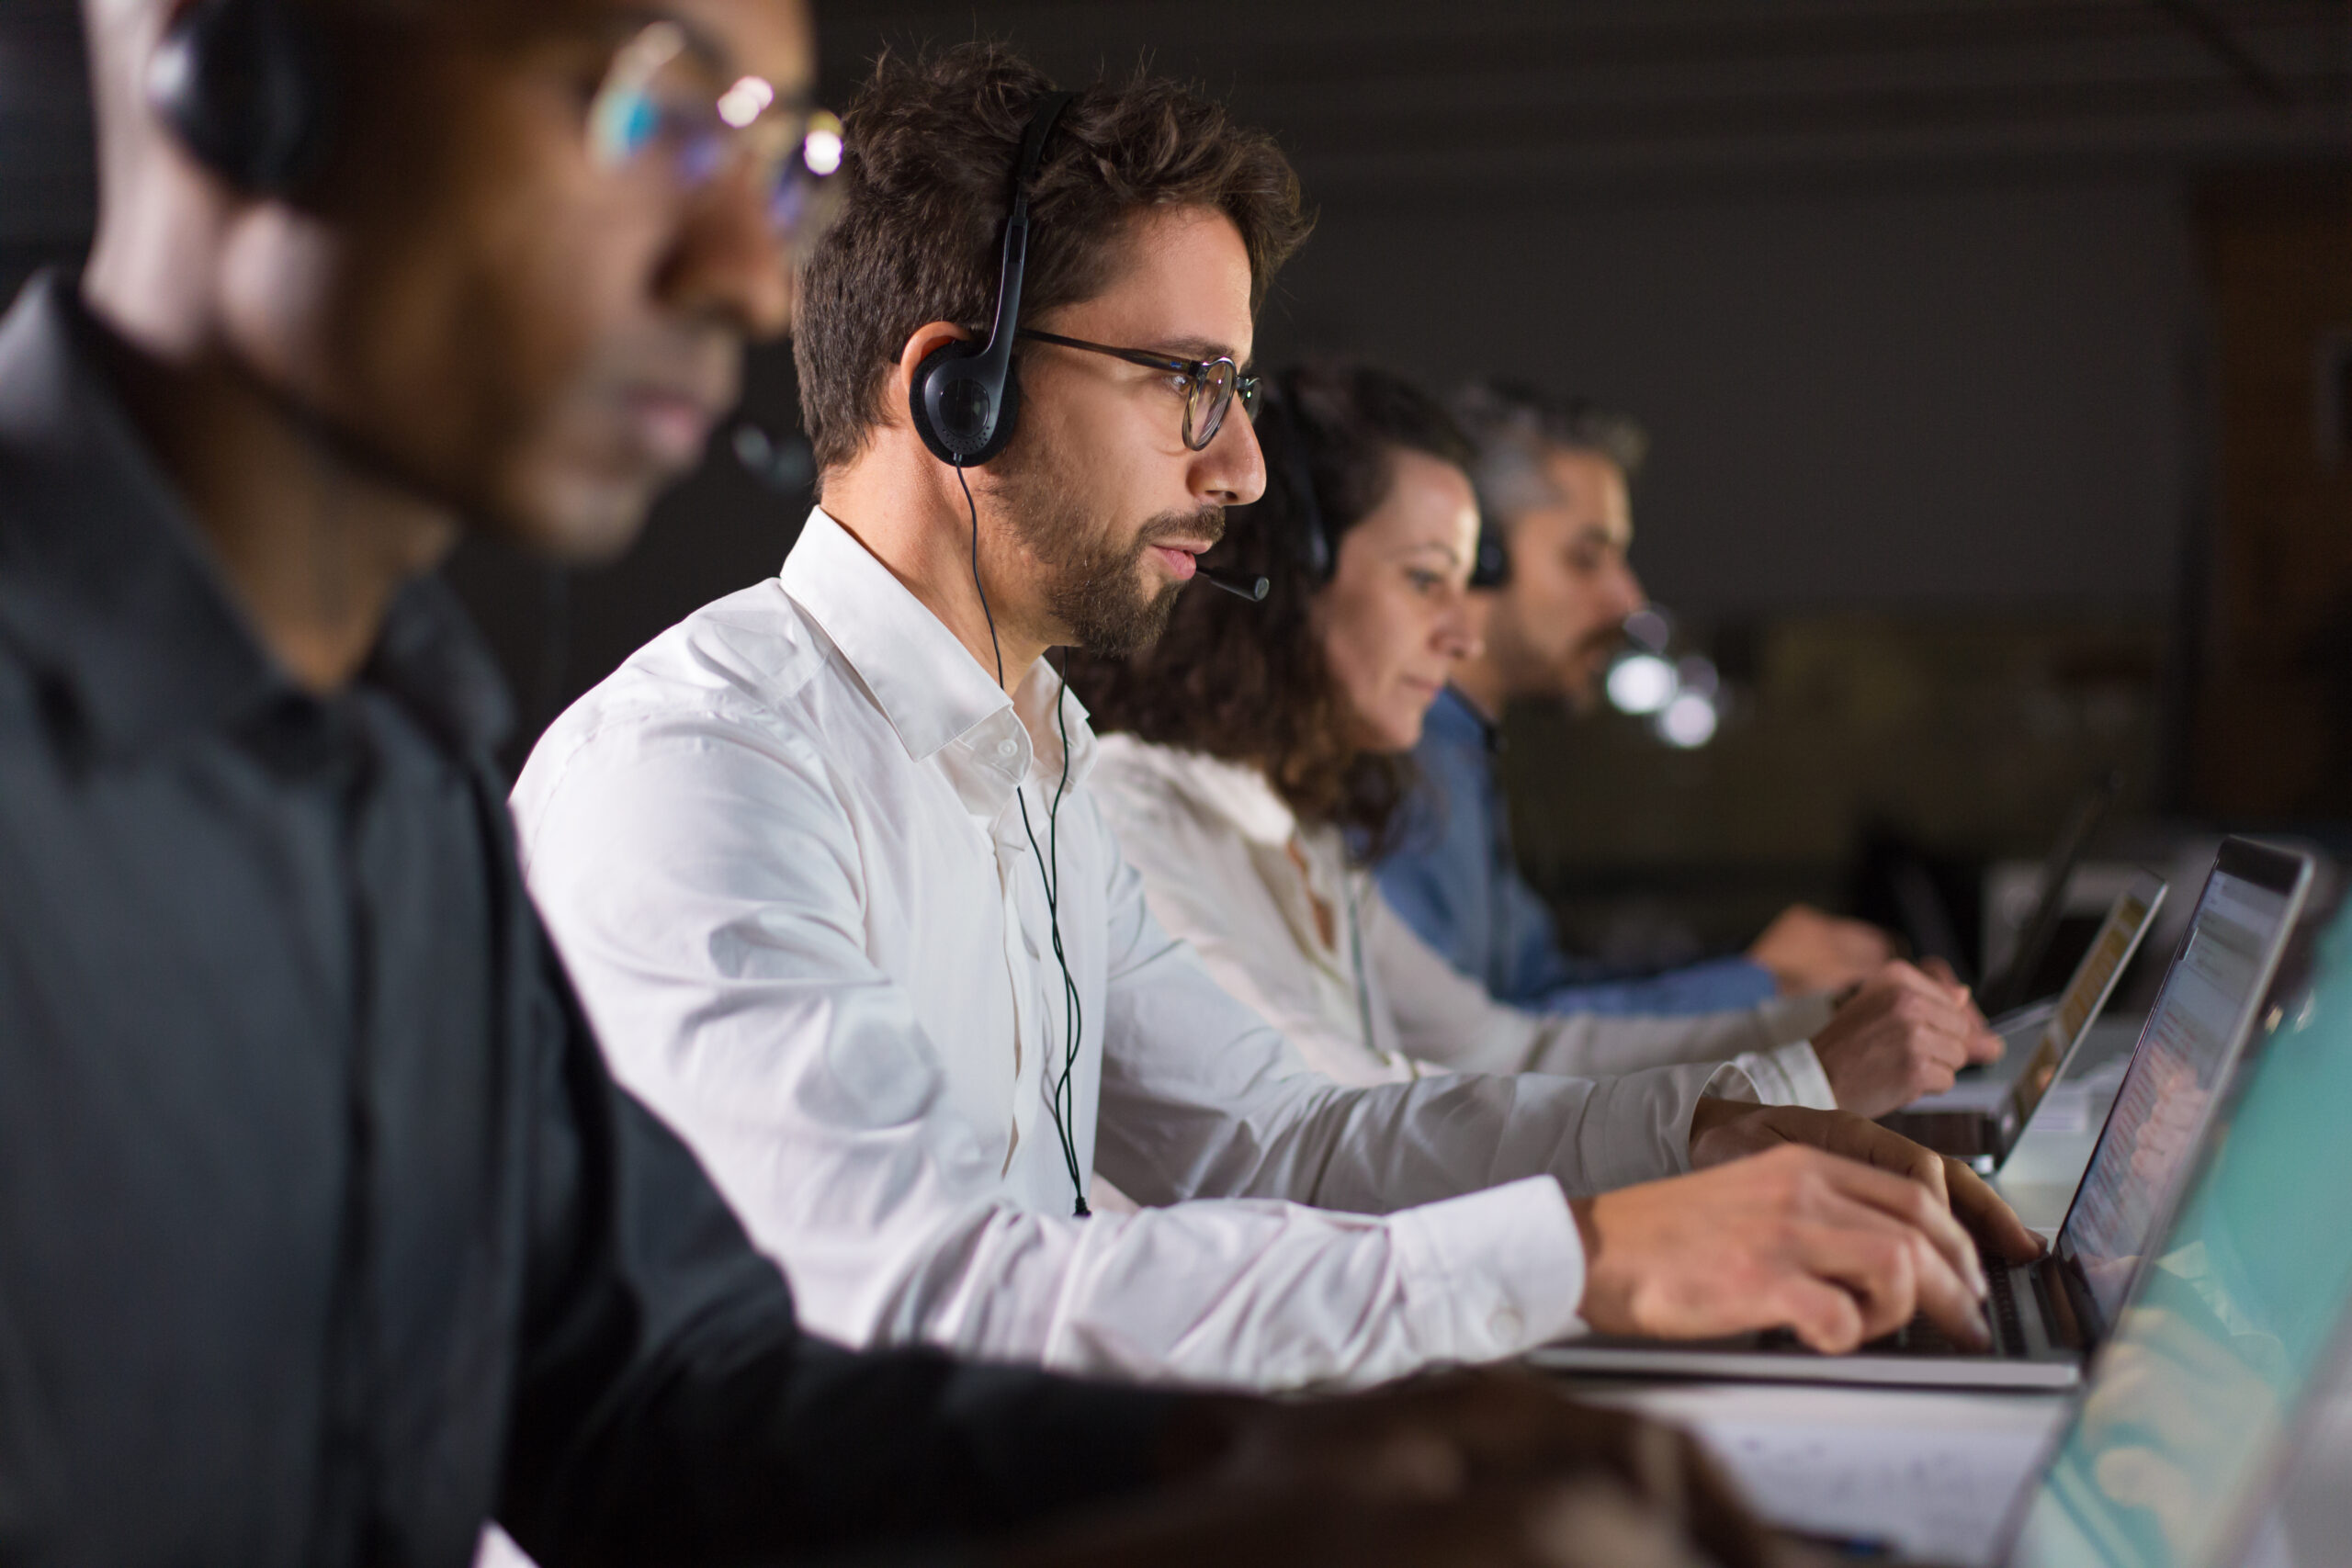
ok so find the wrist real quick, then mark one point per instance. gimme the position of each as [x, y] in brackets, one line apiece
[1710, 1113]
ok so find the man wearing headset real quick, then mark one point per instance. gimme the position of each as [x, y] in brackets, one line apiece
[323, 1233]
[824, 865]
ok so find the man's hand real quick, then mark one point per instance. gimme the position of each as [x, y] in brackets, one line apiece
[1808, 951]
[1486, 1466]
[1830, 1248]
[1723, 1131]
[1902, 1034]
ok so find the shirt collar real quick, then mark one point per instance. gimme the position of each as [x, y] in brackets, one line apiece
[106, 584]
[933, 692]
[1455, 720]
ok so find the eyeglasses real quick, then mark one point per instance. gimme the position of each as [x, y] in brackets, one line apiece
[1211, 385]
[660, 101]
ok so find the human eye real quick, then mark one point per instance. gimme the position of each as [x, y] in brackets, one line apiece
[1423, 580]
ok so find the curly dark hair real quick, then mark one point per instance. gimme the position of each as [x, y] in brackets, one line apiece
[1249, 682]
[927, 176]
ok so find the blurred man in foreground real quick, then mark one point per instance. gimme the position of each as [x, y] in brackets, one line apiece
[323, 1234]
[1552, 476]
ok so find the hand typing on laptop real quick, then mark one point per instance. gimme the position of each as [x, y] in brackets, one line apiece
[1840, 1232]
[1899, 1036]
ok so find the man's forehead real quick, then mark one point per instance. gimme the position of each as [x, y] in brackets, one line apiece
[768, 38]
[1185, 286]
[1590, 485]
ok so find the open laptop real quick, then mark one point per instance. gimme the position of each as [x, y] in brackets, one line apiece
[2215, 1415]
[1985, 1137]
[2011, 986]
[2235, 1328]
[2047, 1316]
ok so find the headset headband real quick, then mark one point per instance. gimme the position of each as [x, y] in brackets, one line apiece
[964, 398]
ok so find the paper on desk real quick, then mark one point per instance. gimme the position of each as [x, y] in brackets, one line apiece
[1933, 1475]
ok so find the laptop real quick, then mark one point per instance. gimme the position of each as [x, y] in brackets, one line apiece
[2213, 1419]
[2010, 989]
[2217, 1374]
[1985, 1137]
[2048, 1317]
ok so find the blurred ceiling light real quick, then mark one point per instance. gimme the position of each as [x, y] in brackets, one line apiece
[1647, 628]
[822, 149]
[742, 103]
[1642, 682]
[1696, 672]
[1688, 721]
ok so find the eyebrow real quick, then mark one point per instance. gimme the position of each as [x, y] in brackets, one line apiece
[1200, 348]
[1451, 555]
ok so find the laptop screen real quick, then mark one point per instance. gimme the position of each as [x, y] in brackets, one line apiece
[2174, 1073]
[2234, 1320]
[2117, 937]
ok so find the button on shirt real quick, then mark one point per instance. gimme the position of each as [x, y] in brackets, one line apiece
[1454, 878]
[323, 1233]
[783, 851]
[1286, 924]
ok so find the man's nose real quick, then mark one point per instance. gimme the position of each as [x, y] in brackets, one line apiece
[1231, 470]
[727, 260]
[1631, 595]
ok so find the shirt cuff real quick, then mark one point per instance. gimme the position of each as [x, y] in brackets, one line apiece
[1491, 1274]
[1788, 1075]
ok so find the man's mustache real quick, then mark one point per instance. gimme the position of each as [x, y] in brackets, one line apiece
[1207, 525]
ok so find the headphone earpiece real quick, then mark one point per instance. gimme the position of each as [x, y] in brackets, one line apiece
[963, 398]
[963, 409]
[244, 85]
[1490, 559]
[1306, 545]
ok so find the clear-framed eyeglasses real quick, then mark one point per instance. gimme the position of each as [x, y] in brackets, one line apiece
[662, 104]
[1212, 386]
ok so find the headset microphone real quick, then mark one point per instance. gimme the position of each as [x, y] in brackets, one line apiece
[1240, 584]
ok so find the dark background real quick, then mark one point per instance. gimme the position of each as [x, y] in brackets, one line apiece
[1997, 353]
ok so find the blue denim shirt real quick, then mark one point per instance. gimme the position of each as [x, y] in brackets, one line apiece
[1455, 882]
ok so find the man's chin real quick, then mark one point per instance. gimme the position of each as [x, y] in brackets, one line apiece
[582, 521]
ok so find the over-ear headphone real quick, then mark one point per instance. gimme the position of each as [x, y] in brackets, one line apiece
[1305, 543]
[1490, 562]
[245, 85]
[964, 398]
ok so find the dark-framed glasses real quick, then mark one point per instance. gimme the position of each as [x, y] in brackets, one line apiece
[1211, 385]
[662, 104]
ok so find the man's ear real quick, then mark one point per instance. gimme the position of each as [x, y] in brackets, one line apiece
[926, 340]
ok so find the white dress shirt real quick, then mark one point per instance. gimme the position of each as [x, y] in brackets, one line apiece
[783, 853]
[1228, 868]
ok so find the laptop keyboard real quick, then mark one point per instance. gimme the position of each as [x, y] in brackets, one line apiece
[1920, 1336]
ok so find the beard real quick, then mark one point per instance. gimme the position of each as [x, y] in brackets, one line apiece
[1094, 583]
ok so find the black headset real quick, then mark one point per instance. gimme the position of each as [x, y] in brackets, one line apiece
[1303, 543]
[1490, 562]
[247, 87]
[964, 398]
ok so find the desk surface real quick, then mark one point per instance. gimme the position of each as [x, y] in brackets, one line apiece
[1932, 1474]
